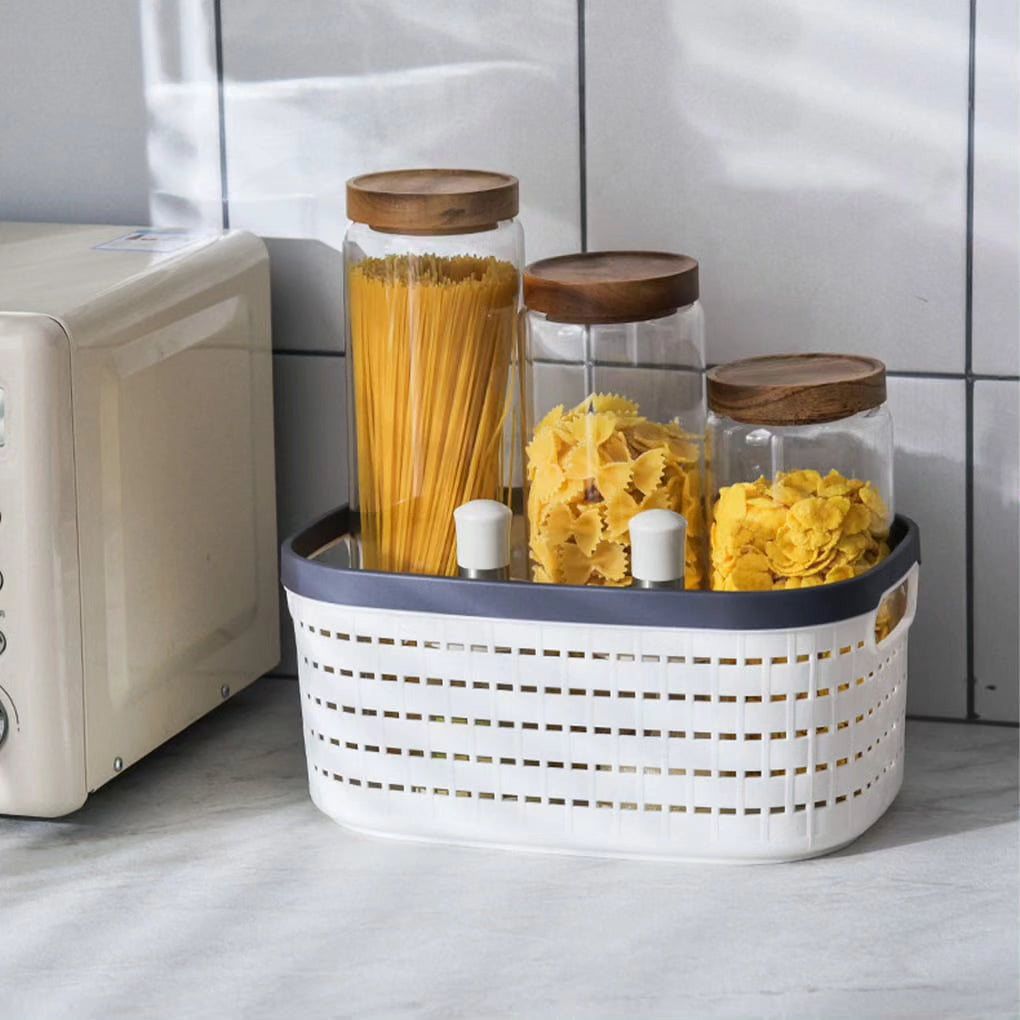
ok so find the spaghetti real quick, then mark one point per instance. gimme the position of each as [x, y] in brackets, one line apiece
[432, 344]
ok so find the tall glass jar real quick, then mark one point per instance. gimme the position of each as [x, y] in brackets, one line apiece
[614, 410]
[800, 466]
[432, 264]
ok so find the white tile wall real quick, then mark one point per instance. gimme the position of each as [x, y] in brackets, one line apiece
[996, 531]
[996, 188]
[929, 423]
[307, 295]
[310, 400]
[811, 155]
[73, 113]
[317, 92]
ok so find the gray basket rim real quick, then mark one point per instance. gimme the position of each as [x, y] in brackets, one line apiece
[554, 603]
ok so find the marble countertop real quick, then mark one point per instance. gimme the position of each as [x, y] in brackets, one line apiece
[204, 883]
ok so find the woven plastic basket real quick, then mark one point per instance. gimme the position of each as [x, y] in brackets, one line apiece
[709, 726]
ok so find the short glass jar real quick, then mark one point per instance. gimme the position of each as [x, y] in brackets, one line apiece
[800, 469]
[614, 410]
[432, 264]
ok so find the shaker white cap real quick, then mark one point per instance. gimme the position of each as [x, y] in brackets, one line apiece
[657, 545]
[483, 534]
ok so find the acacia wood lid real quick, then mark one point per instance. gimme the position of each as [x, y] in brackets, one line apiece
[432, 201]
[796, 389]
[610, 286]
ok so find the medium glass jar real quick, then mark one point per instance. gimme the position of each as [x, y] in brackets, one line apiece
[432, 264]
[614, 410]
[800, 469]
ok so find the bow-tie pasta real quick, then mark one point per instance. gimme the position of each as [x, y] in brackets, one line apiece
[590, 470]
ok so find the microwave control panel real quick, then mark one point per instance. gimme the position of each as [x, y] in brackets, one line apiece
[42, 734]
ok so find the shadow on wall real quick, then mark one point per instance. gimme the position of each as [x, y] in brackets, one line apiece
[786, 155]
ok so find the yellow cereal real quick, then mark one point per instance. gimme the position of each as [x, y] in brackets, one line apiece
[800, 530]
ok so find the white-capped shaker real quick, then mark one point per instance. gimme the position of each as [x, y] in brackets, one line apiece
[483, 539]
[658, 541]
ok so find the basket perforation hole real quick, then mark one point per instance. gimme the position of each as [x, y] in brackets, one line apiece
[349, 709]
[753, 774]
[778, 734]
[702, 735]
[575, 654]
[777, 697]
[334, 741]
[504, 687]
[753, 699]
[800, 733]
[702, 810]
[677, 772]
[577, 692]
[727, 699]
[454, 646]
[551, 653]
[703, 773]
[651, 733]
[727, 774]
[481, 649]
[675, 696]
[552, 690]
[827, 654]
[626, 694]
[777, 772]
[458, 683]
[386, 641]
[702, 697]
[349, 673]
[651, 696]
[531, 763]
[624, 657]
[603, 731]
[363, 639]
[529, 689]
[677, 734]
[752, 736]
[433, 681]
[557, 801]
[525, 651]
[727, 736]
[554, 727]
[329, 704]
[779, 660]
[676, 659]
[678, 809]
[702, 660]
[600, 656]
[846, 650]
[650, 658]
[529, 725]
[502, 650]
[727, 662]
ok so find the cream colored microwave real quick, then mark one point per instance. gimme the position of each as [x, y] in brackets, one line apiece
[138, 564]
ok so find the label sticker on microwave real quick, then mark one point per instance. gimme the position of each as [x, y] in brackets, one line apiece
[161, 241]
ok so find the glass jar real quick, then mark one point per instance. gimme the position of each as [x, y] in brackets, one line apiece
[432, 265]
[800, 470]
[614, 410]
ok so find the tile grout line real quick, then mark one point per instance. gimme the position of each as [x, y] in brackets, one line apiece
[308, 352]
[582, 126]
[221, 112]
[968, 365]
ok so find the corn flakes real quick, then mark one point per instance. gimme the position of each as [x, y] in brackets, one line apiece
[590, 470]
[800, 531]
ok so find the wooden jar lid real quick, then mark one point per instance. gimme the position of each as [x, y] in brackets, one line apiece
[432, 201]
[610, 286]
[796, 389]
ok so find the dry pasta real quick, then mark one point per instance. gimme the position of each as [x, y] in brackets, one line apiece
[432, 343]
[590, 470]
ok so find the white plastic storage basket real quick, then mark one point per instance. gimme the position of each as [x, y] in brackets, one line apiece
[669, 724]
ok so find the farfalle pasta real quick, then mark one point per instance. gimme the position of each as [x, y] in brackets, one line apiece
[798, 531]
[590, 470]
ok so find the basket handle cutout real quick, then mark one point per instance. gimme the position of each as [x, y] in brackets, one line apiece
[895, 612]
